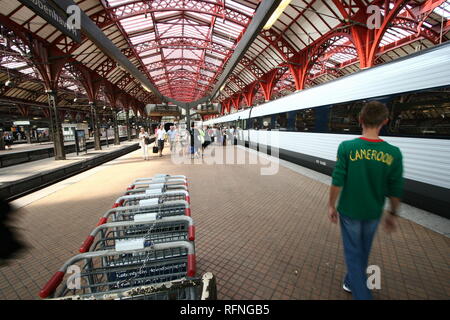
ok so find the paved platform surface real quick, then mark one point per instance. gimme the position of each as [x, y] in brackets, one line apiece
[264, 237]
[24, 170]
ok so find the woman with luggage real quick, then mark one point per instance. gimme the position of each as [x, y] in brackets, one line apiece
[144, 141]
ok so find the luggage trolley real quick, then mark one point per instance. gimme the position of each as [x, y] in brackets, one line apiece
[162, 187]
[164, 209]
[166, 184]
[166, 290]
[162, 177]
[124, 267]
[162, 196]
[145, 226]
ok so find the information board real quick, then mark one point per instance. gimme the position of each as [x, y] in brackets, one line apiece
[80, 141]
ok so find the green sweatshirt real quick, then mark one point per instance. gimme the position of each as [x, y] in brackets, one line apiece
[368, 171]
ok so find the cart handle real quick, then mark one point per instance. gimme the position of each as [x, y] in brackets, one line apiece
[118, 204]
[102, 220]
[87, 244]
[191, 232]
[51, 285]
[191, 265]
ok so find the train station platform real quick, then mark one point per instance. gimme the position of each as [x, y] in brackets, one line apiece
[22, 153]
[262, 236]
[24, 178]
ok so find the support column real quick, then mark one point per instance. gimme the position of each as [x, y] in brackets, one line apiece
[28, 134]
[249, 93]
[367, 41]
[188, 120]
[2, 142]
[267, 83]
[96, 126]
[116, 128]
[236, 101]
[298, 68]
[127, 119]
[55, 127]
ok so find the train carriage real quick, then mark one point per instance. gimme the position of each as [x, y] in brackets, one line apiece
[307, 126]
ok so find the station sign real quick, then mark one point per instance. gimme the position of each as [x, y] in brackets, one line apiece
[61, 20]
[21, 123]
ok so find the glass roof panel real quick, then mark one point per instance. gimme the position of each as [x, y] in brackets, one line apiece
[137, 23]
[443, 10]
[158, 28]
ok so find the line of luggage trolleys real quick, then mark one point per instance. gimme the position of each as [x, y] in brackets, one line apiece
[142, 248]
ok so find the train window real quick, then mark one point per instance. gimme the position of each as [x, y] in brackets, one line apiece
[254, 124]
[344, 118]
[425, 113]
[265, 122]
[305, 120]
[281, 121]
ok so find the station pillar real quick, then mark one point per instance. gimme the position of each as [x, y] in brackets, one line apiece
[28, 134]
[2, 142]
[96, 126]
[55, 127]
[188, 120]
[116, 128]
[127, 119]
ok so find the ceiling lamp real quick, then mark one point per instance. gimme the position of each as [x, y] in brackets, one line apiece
[9, 83]
[146, 89]
[276, 14]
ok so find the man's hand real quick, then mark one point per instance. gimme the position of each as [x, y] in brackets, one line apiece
[332, 214]
[390, 223]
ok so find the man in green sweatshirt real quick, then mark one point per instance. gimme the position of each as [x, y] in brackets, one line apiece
[367, 170]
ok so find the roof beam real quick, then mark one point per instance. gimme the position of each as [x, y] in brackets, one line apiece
[96, 35]
[262, 14]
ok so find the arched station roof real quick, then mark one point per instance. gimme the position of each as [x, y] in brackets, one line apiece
[183, 46]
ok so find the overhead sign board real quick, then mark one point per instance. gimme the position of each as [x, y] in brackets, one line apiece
[21, 123]
[66, 22]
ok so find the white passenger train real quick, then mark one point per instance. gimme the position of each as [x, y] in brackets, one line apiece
[311, 123]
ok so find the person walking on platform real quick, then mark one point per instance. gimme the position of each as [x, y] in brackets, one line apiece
[367, 170]
[184, 138]
[172, 133]
[8, 140]
[208, 137]
[224, 137]
[144, 141]
[160, 136]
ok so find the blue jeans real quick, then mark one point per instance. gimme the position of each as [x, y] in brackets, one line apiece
[357, 236]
